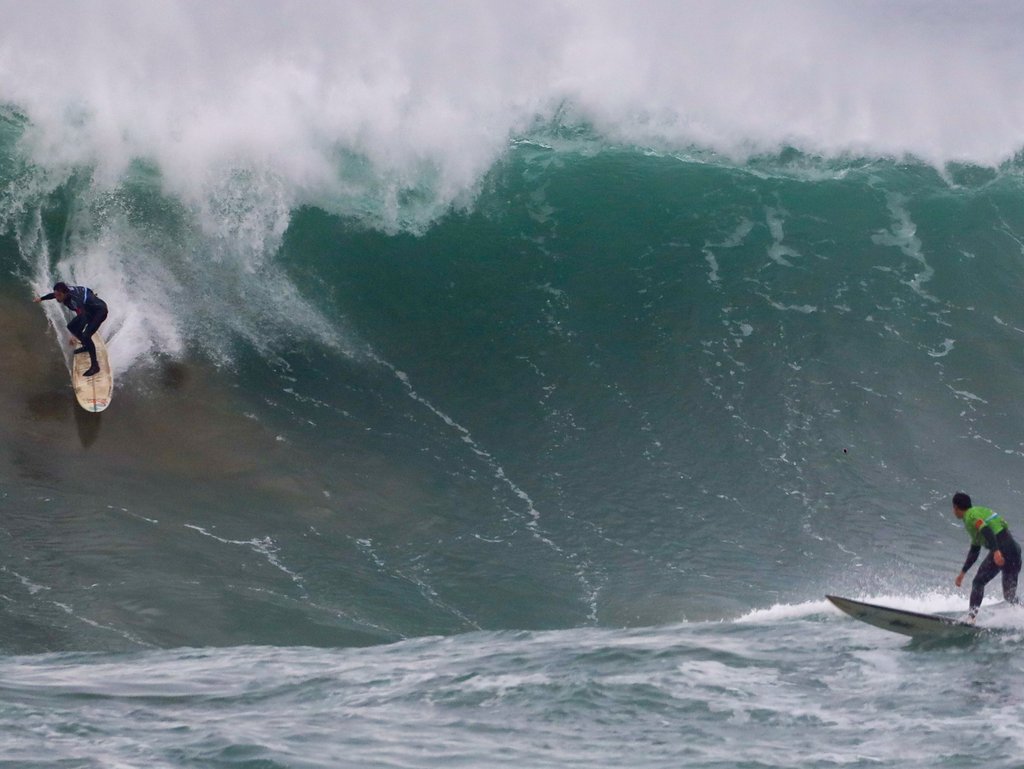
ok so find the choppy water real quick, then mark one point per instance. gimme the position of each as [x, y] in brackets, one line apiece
[480, 414]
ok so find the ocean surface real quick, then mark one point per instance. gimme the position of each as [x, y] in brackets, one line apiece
[507, 384]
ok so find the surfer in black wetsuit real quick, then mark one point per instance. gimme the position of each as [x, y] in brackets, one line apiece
[90, 311]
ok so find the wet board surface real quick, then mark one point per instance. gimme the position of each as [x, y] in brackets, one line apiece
[93, 392]
[910, 623]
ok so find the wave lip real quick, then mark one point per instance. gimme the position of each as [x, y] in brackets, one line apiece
[306, 94]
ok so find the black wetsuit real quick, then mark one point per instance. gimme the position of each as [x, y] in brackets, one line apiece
[90, 312]
[1007, 545]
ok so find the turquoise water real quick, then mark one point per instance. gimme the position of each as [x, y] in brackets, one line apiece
[492, 415]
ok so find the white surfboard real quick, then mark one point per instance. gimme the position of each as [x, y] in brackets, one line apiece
[93, 392]
[909, 623]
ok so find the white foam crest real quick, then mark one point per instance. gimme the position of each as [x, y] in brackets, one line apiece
[356, 105]
[306, 93]
[933, 80]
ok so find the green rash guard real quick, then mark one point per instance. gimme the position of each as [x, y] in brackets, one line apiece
[982, 526]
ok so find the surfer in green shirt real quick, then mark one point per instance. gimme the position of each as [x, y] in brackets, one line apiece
[986, 527]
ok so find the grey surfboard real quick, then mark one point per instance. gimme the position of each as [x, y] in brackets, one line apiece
[909, 623]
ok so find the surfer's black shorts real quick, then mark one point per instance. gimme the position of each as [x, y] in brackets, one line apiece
[84, 326]
[1011, 570]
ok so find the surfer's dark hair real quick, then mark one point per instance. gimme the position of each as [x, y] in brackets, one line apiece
[961, 501]
[60, 286]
